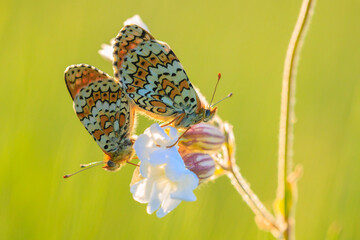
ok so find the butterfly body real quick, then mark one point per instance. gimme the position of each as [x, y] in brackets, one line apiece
[123, 154]
[154, 79]
[104, 110]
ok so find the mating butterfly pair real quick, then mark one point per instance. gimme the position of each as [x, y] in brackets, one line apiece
[148, 78]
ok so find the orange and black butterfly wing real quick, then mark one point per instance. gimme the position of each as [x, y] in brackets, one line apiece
[80, 75]
[129, 38]
[103, 109]
[153, 77]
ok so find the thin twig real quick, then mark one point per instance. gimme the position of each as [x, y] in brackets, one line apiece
[287, 115]
[253, 202]
[263, 217]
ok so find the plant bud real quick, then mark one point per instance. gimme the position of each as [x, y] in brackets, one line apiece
[203, 165]
[203, 137]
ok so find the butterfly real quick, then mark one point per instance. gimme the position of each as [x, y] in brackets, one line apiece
[104, 110]
[154, 79]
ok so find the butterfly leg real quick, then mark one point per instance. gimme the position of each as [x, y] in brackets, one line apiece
[135, 157]
[179, 138]
[172, 121]
[134, 164]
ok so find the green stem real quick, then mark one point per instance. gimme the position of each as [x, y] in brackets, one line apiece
[287, 115]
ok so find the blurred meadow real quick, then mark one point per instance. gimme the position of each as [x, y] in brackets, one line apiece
[42, 139]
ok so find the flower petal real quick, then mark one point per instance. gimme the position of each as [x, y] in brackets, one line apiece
[136, 19]
[167, 207]
[165, 180]
[106, 52]
[154, 202]
[141, 146]
[141, 190]
[160, 137]
[185, 188]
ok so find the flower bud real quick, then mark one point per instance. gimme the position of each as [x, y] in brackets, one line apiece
[228, 149]
[203, 165]
[203, 137]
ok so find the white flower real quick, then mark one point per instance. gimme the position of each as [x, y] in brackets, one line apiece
[106, 50]
[136, 19]
[165, 181]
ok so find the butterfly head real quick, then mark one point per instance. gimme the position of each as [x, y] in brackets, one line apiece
[115, 160]
[111, 165]
[209, 114]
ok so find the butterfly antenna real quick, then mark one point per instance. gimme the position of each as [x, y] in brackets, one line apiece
[89, 164]
[212, 98]
[85, 167]
[229, 95]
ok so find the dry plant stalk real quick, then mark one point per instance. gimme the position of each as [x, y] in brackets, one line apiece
[282, 226]
[286, 193]
[263, 217]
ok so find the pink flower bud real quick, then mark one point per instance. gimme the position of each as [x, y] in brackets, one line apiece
[203, 137]
[203, 165]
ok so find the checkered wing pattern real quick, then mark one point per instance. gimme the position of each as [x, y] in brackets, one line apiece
[101, 106]
[152, 76]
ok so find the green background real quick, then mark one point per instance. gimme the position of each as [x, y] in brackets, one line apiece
[41, 138]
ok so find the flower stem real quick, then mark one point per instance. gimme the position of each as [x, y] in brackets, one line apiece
[263, 217]
[287, 117]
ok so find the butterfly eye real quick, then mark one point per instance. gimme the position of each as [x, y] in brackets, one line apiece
[111, 164]
[207, 113]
